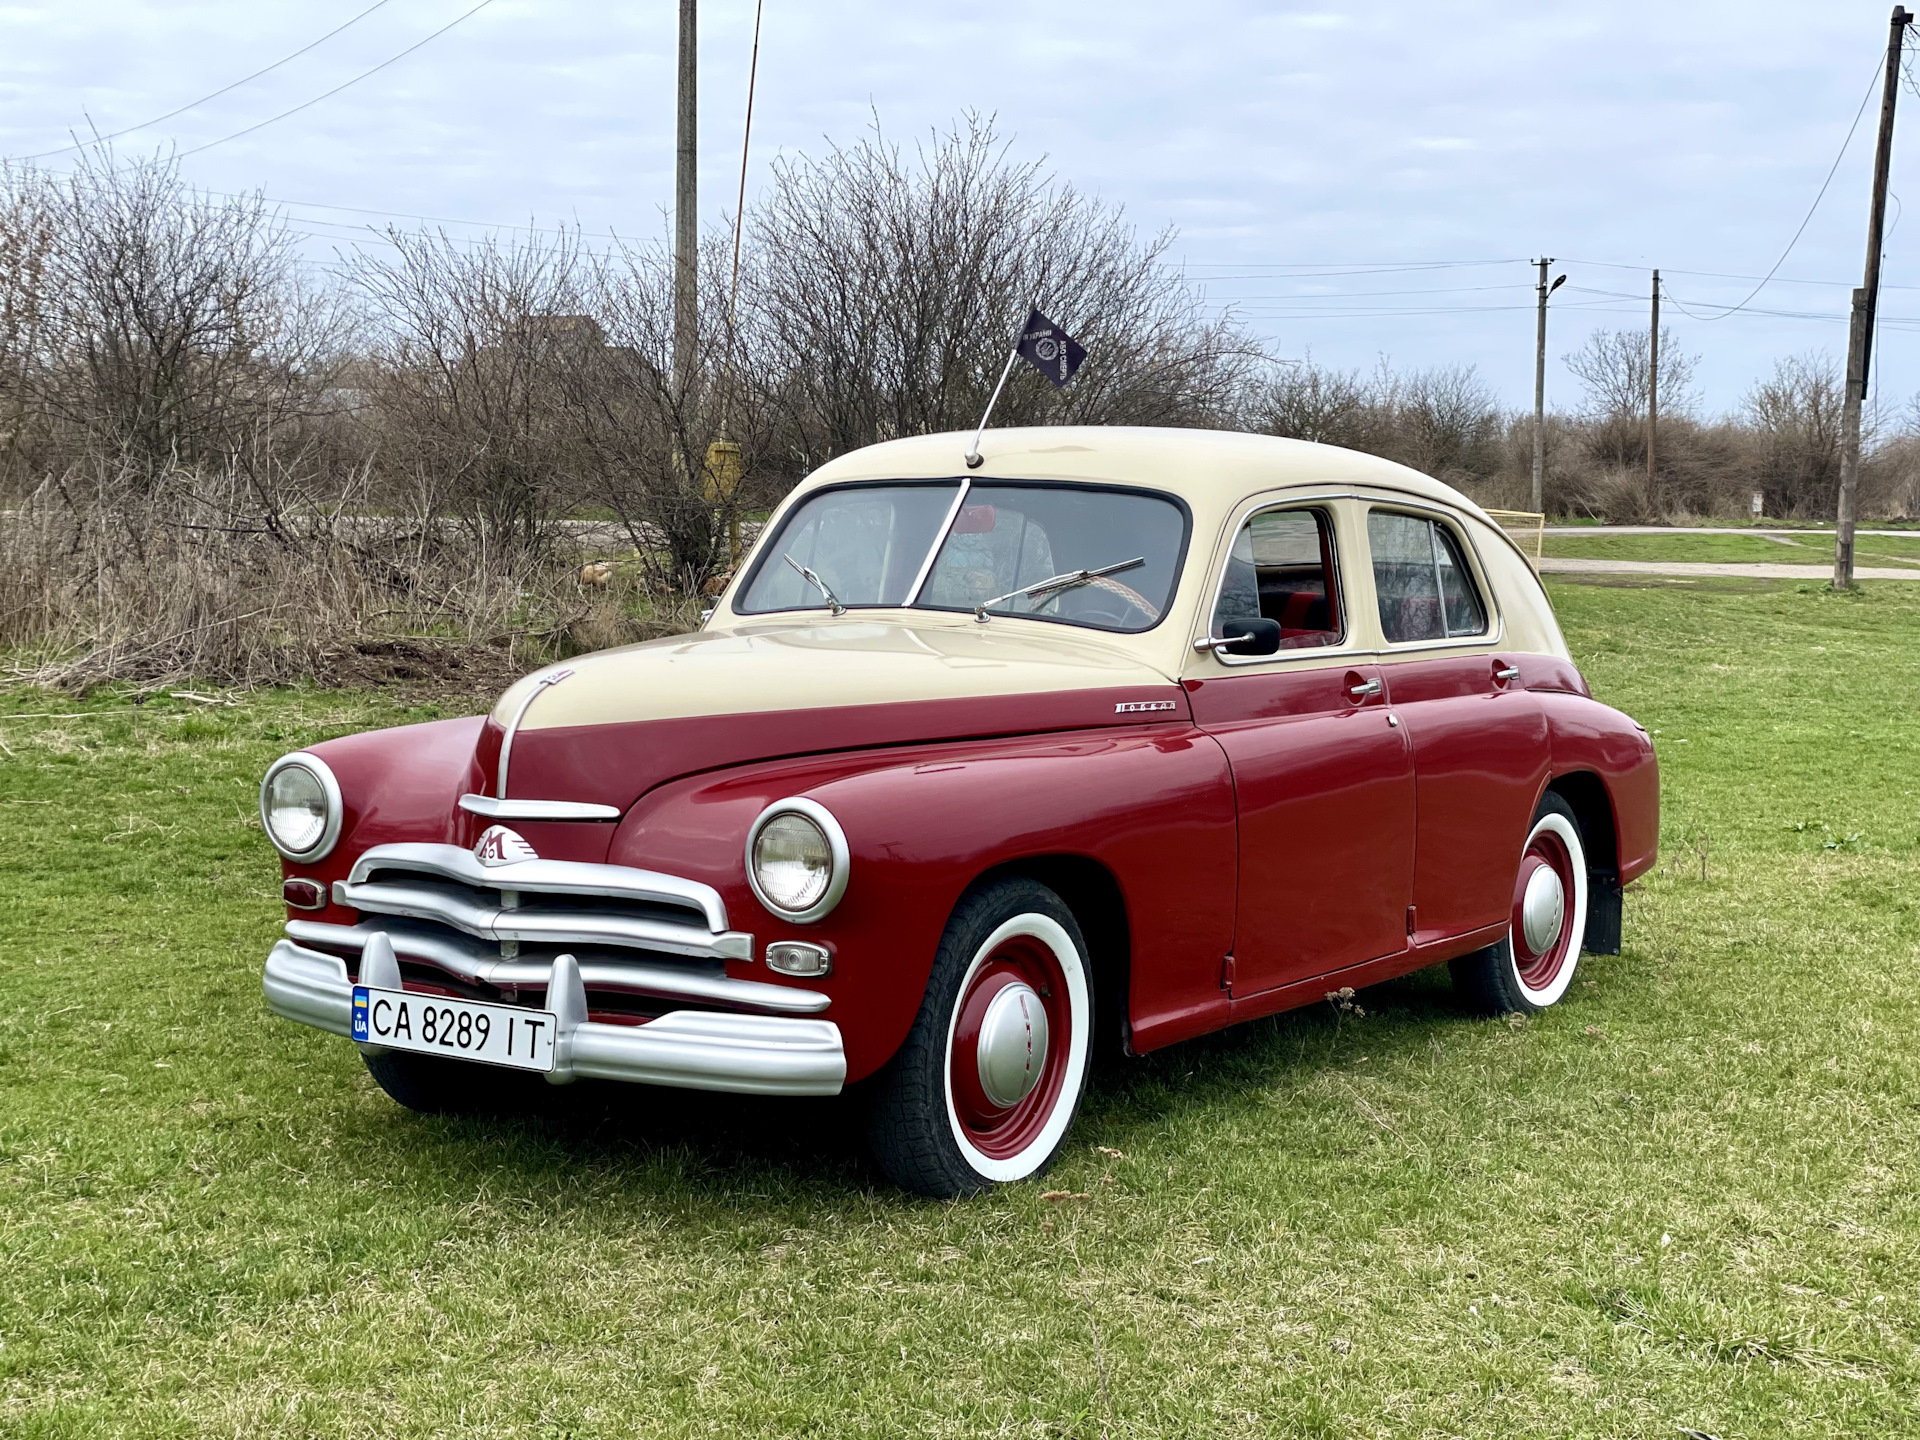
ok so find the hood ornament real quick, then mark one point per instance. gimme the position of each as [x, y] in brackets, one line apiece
[501, 846]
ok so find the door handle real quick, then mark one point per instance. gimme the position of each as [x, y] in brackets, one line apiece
[1371, 687]
[1512, 672]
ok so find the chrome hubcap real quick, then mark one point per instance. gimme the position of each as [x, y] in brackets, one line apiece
[1013, 1044]
[1543, 909]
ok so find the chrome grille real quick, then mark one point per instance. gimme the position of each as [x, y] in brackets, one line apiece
[633, 931]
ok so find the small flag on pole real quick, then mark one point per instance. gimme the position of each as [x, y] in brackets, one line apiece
[1049, 349]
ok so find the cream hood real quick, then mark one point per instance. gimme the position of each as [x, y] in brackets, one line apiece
[818, 663]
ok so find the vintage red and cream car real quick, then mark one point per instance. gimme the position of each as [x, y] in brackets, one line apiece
[1120, 737]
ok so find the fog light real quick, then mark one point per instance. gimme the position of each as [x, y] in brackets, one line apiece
[304, 894]
[791, 957]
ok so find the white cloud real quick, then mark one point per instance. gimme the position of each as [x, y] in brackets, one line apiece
[1358, 135]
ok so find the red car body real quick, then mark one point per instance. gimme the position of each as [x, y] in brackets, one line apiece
[1234, 836]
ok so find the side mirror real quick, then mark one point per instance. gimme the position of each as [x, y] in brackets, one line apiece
[1250, 637]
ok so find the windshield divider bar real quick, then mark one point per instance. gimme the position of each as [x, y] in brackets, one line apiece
[933, 551]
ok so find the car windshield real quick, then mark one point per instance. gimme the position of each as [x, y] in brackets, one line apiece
[871, 545]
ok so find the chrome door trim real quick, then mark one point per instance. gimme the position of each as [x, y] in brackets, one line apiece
[1237, 521]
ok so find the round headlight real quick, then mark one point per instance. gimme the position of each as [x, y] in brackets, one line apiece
[797, 859]
[300, 806]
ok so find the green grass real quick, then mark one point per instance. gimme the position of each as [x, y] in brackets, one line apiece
[1684, 1198]
[1814, 550]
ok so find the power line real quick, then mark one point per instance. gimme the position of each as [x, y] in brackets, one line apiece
[338, 88]
[1808, 220]
[193, 104]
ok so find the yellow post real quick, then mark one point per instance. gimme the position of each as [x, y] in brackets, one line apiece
[722, 483]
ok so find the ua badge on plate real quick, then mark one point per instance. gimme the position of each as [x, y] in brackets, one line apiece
[359, 1014]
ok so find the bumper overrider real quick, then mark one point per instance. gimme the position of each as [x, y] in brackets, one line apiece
[429, 891]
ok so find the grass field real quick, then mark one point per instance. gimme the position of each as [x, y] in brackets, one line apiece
[1685, 1198]
[1814, 550]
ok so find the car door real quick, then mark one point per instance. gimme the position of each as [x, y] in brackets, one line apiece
[1322, 777]
[1479, 739]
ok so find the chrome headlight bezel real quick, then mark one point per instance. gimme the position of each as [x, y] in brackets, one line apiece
[822, 819]
[329, 787]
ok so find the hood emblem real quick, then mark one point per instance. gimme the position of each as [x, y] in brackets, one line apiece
[501, 846]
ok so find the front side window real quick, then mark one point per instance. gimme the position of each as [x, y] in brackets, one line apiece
[894, 545]
[1424, 588]
[1281, 569]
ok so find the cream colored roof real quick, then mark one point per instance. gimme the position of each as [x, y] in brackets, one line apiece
[800, 659]
[1212, 470]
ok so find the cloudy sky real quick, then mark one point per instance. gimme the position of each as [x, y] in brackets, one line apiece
[1356, 180]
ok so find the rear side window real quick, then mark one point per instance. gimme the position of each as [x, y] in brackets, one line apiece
[1424, 587]
[1281, 569]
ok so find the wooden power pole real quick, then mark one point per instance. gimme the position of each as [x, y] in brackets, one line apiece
[686, 203]
[1540, 386]
[1653, 399]
[1865, 300]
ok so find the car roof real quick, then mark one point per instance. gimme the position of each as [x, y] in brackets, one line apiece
[1212, 470]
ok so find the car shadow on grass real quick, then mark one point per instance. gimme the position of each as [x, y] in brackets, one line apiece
[742, 1151]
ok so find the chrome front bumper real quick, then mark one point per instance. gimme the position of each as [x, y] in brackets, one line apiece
[692, 1049]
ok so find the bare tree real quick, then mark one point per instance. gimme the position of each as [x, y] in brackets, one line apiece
[475, 348]
[1305, 401]
[170, 328]
[887, 289]
[1796, 418]
[1613, 367]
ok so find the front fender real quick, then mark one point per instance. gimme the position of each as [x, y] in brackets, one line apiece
[1153, 805]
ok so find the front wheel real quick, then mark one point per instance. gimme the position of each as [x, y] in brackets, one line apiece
[1534, 965]
[431, 1085]
[988, 1080]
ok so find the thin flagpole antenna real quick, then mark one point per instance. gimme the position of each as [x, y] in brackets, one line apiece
[974, 458]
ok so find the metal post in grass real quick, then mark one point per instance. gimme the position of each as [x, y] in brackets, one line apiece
[1865, 300]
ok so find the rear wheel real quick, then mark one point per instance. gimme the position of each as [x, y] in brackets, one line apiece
[988, 1080]
[1534, 965]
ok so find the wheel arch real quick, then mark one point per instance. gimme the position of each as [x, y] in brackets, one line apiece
[1092, 892]
[1586, 793]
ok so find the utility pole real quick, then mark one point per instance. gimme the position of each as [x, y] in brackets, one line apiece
[1653, 398]
[686, 203]
[1865, 300]
[1543, 289]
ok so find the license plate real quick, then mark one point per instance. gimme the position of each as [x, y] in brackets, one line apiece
[457, 1029]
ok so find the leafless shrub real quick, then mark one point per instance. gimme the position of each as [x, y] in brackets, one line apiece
[887, 287]
[1613, 368]
[153, 324]
[1795, 415]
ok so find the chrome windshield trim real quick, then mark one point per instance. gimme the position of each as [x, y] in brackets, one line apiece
[933, 551]
[478, 962]
[550, 877]
[493, 809]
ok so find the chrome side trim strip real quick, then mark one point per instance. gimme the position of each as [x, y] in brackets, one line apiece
[513, 726]
[307, 986]
[477, 962]
[540, 927]
[536, 809]
[558, 877]
[690, 1049]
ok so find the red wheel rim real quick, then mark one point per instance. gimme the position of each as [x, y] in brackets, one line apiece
[1538, 969]
[997, 1131]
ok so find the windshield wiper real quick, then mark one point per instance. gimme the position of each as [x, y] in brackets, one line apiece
[833, 600]
[1055, 584]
